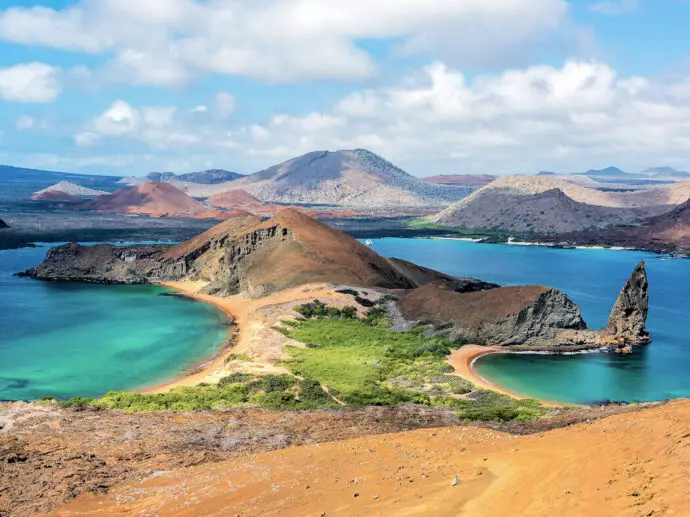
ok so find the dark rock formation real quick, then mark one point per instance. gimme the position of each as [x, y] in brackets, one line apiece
[3, 224]
[627, 322]
[102, 263]
[534, 316]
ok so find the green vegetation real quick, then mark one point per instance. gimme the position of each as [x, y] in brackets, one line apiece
[317, 309]
[362, 362]
[284, 392]
[238, 357]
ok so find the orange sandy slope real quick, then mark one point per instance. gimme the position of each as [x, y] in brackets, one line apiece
[631, 464]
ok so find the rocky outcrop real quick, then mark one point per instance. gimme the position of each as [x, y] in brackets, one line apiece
[531, 316]
[628, 319]
[535, 316]
[102, 264]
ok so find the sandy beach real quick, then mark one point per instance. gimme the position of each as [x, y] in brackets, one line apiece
[463, 359]
[253, 333]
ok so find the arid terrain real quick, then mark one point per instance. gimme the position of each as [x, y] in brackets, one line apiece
[252, 462]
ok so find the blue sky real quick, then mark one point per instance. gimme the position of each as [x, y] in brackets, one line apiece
[472, 86]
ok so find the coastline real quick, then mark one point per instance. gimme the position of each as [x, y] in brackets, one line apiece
[463, 360]
[210, 370]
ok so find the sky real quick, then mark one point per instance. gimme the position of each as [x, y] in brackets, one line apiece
[435, 86]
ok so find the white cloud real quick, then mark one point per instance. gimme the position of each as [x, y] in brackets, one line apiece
[30, 83]
[615, 7]
[158, 126]
[199, 109]
[168, 42]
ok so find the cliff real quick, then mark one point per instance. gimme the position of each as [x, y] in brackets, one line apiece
[535, 316]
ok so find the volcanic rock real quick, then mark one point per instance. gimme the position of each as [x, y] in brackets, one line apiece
[535, 316]
[628, 318]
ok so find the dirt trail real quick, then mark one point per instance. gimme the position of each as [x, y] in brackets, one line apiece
[630, 464]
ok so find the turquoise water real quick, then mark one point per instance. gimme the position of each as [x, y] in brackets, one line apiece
[72, 339]
[592, 278]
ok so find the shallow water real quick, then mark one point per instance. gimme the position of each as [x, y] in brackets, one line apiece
[72, 339]
[592, 278]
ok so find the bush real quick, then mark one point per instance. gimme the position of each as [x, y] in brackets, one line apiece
[76, 402]
[235, 378]
[271, 383]
[348, 313]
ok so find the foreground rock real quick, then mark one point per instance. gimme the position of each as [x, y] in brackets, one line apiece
[628, 318]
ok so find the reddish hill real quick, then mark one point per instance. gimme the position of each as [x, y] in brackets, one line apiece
[462, 180]
[55, 195]
[154, 199]
[234, 199]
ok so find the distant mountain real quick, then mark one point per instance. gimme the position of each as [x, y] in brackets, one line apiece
[154, 199]
[357, 178]
[208, 177]
[608, 171]
[17, 183]
[546, 173]
[547, 213]
[462, 180]
[69, 188]
[160, 176]
[580, 188]
[3, 224]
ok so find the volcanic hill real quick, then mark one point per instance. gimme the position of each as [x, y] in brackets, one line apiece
[72, 190]
[153, 199]
[357, 178]
[548, 212]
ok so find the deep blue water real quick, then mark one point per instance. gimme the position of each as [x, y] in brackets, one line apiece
[592, 278]
[72, 339]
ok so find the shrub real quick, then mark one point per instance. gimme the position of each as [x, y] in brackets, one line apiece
[271, 383]
[235, 378]
[77, 403]
[348, 313]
